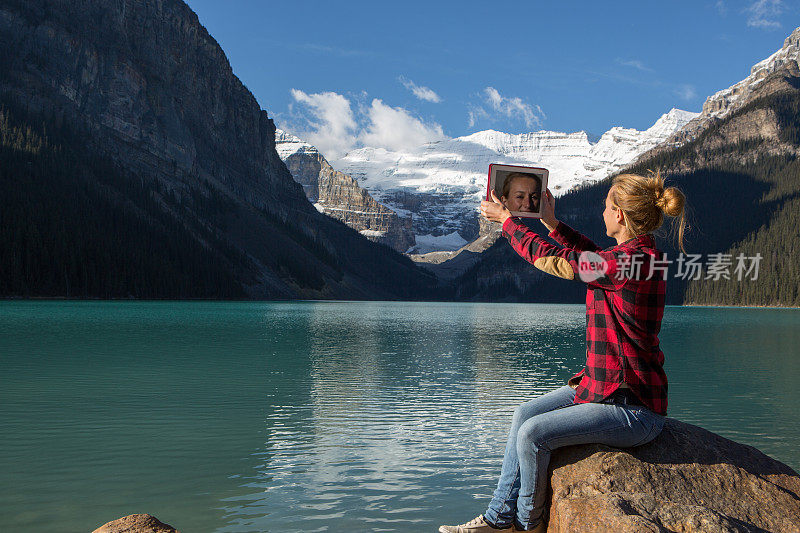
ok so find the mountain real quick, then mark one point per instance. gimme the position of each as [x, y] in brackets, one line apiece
[741, 177]
[724, 102]
[339, 196]
[441, 183]
[134, 163]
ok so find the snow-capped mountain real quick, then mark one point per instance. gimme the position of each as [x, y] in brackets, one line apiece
[288, 146]
[724, 102]
[441, 183]
[720, 103]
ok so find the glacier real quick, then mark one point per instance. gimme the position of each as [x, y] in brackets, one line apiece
[440, 184]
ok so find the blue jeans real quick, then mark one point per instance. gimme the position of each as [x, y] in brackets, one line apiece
[550, 422]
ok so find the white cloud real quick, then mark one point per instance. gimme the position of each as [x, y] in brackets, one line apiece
[394, 128]
[635, 63]
[721, 7]
[327, 121]
[514, 108]
[493, 97]
[762, 13]
[475, 114]
[332, 125]
[686, 92]
[423, 93]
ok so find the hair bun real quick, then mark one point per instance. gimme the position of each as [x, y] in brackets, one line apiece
[671, 201]
[645, 201]
[660, 200]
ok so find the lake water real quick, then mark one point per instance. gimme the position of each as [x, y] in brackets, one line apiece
[326, 416]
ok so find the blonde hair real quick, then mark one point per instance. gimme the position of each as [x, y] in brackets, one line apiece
[644, 201]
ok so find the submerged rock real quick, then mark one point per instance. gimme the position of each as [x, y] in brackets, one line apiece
[687, 479]
[136, 523]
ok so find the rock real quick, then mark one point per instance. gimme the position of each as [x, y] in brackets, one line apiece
[136, 523]
[687, 479]
[154, 88]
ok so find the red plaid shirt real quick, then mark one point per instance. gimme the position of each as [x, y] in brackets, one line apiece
[624, 306]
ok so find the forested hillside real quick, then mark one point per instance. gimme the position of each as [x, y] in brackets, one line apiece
[134, 163]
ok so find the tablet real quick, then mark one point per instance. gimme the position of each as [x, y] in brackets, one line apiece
[521, 189]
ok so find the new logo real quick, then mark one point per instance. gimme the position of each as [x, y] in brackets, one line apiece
[591, 266]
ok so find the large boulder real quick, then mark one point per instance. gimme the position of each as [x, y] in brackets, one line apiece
[136, 523]
[687, 479]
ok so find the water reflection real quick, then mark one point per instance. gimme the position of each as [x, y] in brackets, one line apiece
[401, 407]
[235, 416]
[734, 372]
[404, 407]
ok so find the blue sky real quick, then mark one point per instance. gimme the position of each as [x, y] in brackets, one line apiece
[346, 74]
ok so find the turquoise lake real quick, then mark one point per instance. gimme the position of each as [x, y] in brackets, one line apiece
[327, 416]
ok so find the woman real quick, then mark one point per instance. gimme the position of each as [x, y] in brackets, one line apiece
[620, 397]
[521, 192]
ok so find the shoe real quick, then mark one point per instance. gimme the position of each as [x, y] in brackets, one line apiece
[476, 525]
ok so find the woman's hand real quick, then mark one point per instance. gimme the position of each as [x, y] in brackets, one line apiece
[549, 211]
[495, 211]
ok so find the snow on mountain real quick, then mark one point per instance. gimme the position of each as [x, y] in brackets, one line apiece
[287, 145]
[442, 183]
[723, 102]
[429, 243]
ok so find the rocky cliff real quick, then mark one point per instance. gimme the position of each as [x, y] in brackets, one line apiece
[737, 122]
[303, 161]
[154, 88]
[339, 196]
[725, 102]
[142, 88]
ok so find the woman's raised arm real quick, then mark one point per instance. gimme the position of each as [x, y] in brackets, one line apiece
[559, 231]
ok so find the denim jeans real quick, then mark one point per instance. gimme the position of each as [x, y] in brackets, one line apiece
[550, 422]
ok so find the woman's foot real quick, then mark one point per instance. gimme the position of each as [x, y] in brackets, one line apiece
[476, 525]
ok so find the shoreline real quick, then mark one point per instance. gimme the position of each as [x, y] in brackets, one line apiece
[738, 306]
[69, 299]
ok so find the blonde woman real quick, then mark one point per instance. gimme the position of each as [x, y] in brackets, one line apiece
[620, 396]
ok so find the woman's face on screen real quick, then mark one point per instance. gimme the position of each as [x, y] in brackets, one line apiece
[523, 195]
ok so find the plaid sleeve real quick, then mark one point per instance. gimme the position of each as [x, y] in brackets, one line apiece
[598, 269]
[566, 236]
